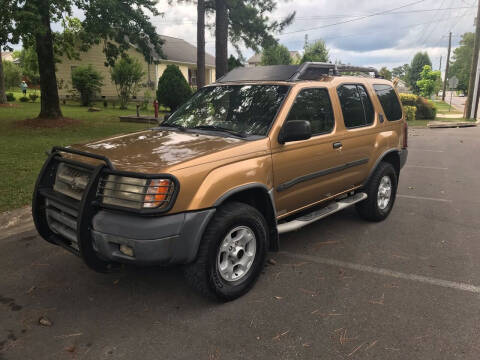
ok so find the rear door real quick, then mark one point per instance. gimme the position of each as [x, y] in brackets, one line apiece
[358, 133]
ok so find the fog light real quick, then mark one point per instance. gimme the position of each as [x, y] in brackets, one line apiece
[127, 250]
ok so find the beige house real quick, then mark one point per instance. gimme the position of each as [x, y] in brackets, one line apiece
[176, 51]
[256, 59]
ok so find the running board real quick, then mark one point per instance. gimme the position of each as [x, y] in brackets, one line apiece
[331, 208]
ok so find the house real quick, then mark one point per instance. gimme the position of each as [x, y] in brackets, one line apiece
[176, 51]
[256, 59]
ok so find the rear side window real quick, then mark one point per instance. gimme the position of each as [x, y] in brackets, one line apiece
[389, 100]
[357, 109]
[314, 105]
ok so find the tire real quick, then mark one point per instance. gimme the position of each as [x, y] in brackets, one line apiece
[375, 207]
[232, 221]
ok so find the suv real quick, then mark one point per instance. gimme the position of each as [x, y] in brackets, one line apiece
[261, 152]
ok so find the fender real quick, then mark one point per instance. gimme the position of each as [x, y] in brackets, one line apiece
[270, 215]
[380, 158]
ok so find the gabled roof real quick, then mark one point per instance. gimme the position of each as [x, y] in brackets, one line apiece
[178, 50]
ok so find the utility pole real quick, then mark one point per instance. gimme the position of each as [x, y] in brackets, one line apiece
[471, 82]
[200, 44]
[447, 66]
[440, 66]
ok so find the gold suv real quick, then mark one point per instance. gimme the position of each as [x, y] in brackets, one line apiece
[261, 152]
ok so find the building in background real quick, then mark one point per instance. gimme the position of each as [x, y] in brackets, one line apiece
[176, 51]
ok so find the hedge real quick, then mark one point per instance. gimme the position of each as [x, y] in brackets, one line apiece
[410, 112]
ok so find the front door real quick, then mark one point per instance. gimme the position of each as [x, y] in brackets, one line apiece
[303, 170]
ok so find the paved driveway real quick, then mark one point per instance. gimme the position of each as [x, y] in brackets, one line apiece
[407, 288]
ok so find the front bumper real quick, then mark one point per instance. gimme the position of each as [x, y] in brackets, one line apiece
[171, 239]
[89, 230]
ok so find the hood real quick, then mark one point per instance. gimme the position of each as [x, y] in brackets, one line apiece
[157, 149]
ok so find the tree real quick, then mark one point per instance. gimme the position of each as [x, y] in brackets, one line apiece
[428, 81]
[385, 73]
[316, 52]
[173, 90]
[27, 58]
[7, 35]
[12, 75]
[276, 55]
[416, 67]
[462, 61]
[200, 43]
[234, 62]
[87, 81]
[127, 74]
[117, 26]
[400, 71]
[243, 22]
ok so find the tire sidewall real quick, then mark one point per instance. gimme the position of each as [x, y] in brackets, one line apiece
[389, 171]
[230, 290]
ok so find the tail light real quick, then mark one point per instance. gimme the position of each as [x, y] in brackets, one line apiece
[405, 135]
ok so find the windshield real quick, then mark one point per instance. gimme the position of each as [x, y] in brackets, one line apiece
[244, 110]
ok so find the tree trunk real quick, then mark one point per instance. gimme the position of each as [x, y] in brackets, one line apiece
[50, 102]
[200, 44]
[221, 38]
[3, 95]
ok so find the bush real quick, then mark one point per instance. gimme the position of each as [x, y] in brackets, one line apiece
[410, 112]
[127, 74]
[173, 90]
[426, 109]
[24, 99]
[408, 99]
[10, 97]
[33, 97]
[87, 81]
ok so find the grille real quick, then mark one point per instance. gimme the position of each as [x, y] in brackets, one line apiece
[71, 180]
[62, 220]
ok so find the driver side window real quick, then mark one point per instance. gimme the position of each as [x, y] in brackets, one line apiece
[314, 106]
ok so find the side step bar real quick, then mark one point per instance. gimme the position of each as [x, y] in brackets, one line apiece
[331, 208]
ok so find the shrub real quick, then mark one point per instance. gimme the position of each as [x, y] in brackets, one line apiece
[408, 99]
[425, 109]
[173, 90]
[127, 74]
[10, 97]
[410, 112]
[33, 97]
[87, 81]
[24, 99]
[147, 99]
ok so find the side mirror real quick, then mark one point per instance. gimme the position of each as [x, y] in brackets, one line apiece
[295, 130]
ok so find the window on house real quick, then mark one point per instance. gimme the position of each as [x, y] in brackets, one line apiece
[192, 77]
[389, 100]
[314, 106]
[357, 109]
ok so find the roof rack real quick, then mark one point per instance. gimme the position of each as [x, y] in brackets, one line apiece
[306, 71]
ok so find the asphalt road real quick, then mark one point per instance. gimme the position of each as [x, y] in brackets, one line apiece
[407, 288]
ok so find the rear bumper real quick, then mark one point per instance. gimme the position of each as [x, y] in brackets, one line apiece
[170, 239]
[403, 157]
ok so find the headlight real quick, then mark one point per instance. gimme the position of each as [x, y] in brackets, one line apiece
[136, 193]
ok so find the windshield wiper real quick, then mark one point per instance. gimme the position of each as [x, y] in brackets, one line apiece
[176, 126]
[219, 128]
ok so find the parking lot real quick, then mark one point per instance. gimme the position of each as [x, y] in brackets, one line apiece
[407, 288]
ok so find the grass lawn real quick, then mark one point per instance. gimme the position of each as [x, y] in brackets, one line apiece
[23, 150]
[442, 108]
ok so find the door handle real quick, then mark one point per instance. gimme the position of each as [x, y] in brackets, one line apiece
[337, 145]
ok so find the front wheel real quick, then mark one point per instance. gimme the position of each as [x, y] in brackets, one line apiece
[232, 253]
[381, 191]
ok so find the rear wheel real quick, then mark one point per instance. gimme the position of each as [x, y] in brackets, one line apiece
[381, 191]
[232, 253]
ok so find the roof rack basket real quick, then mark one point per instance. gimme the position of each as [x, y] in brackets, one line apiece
[313, 70]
